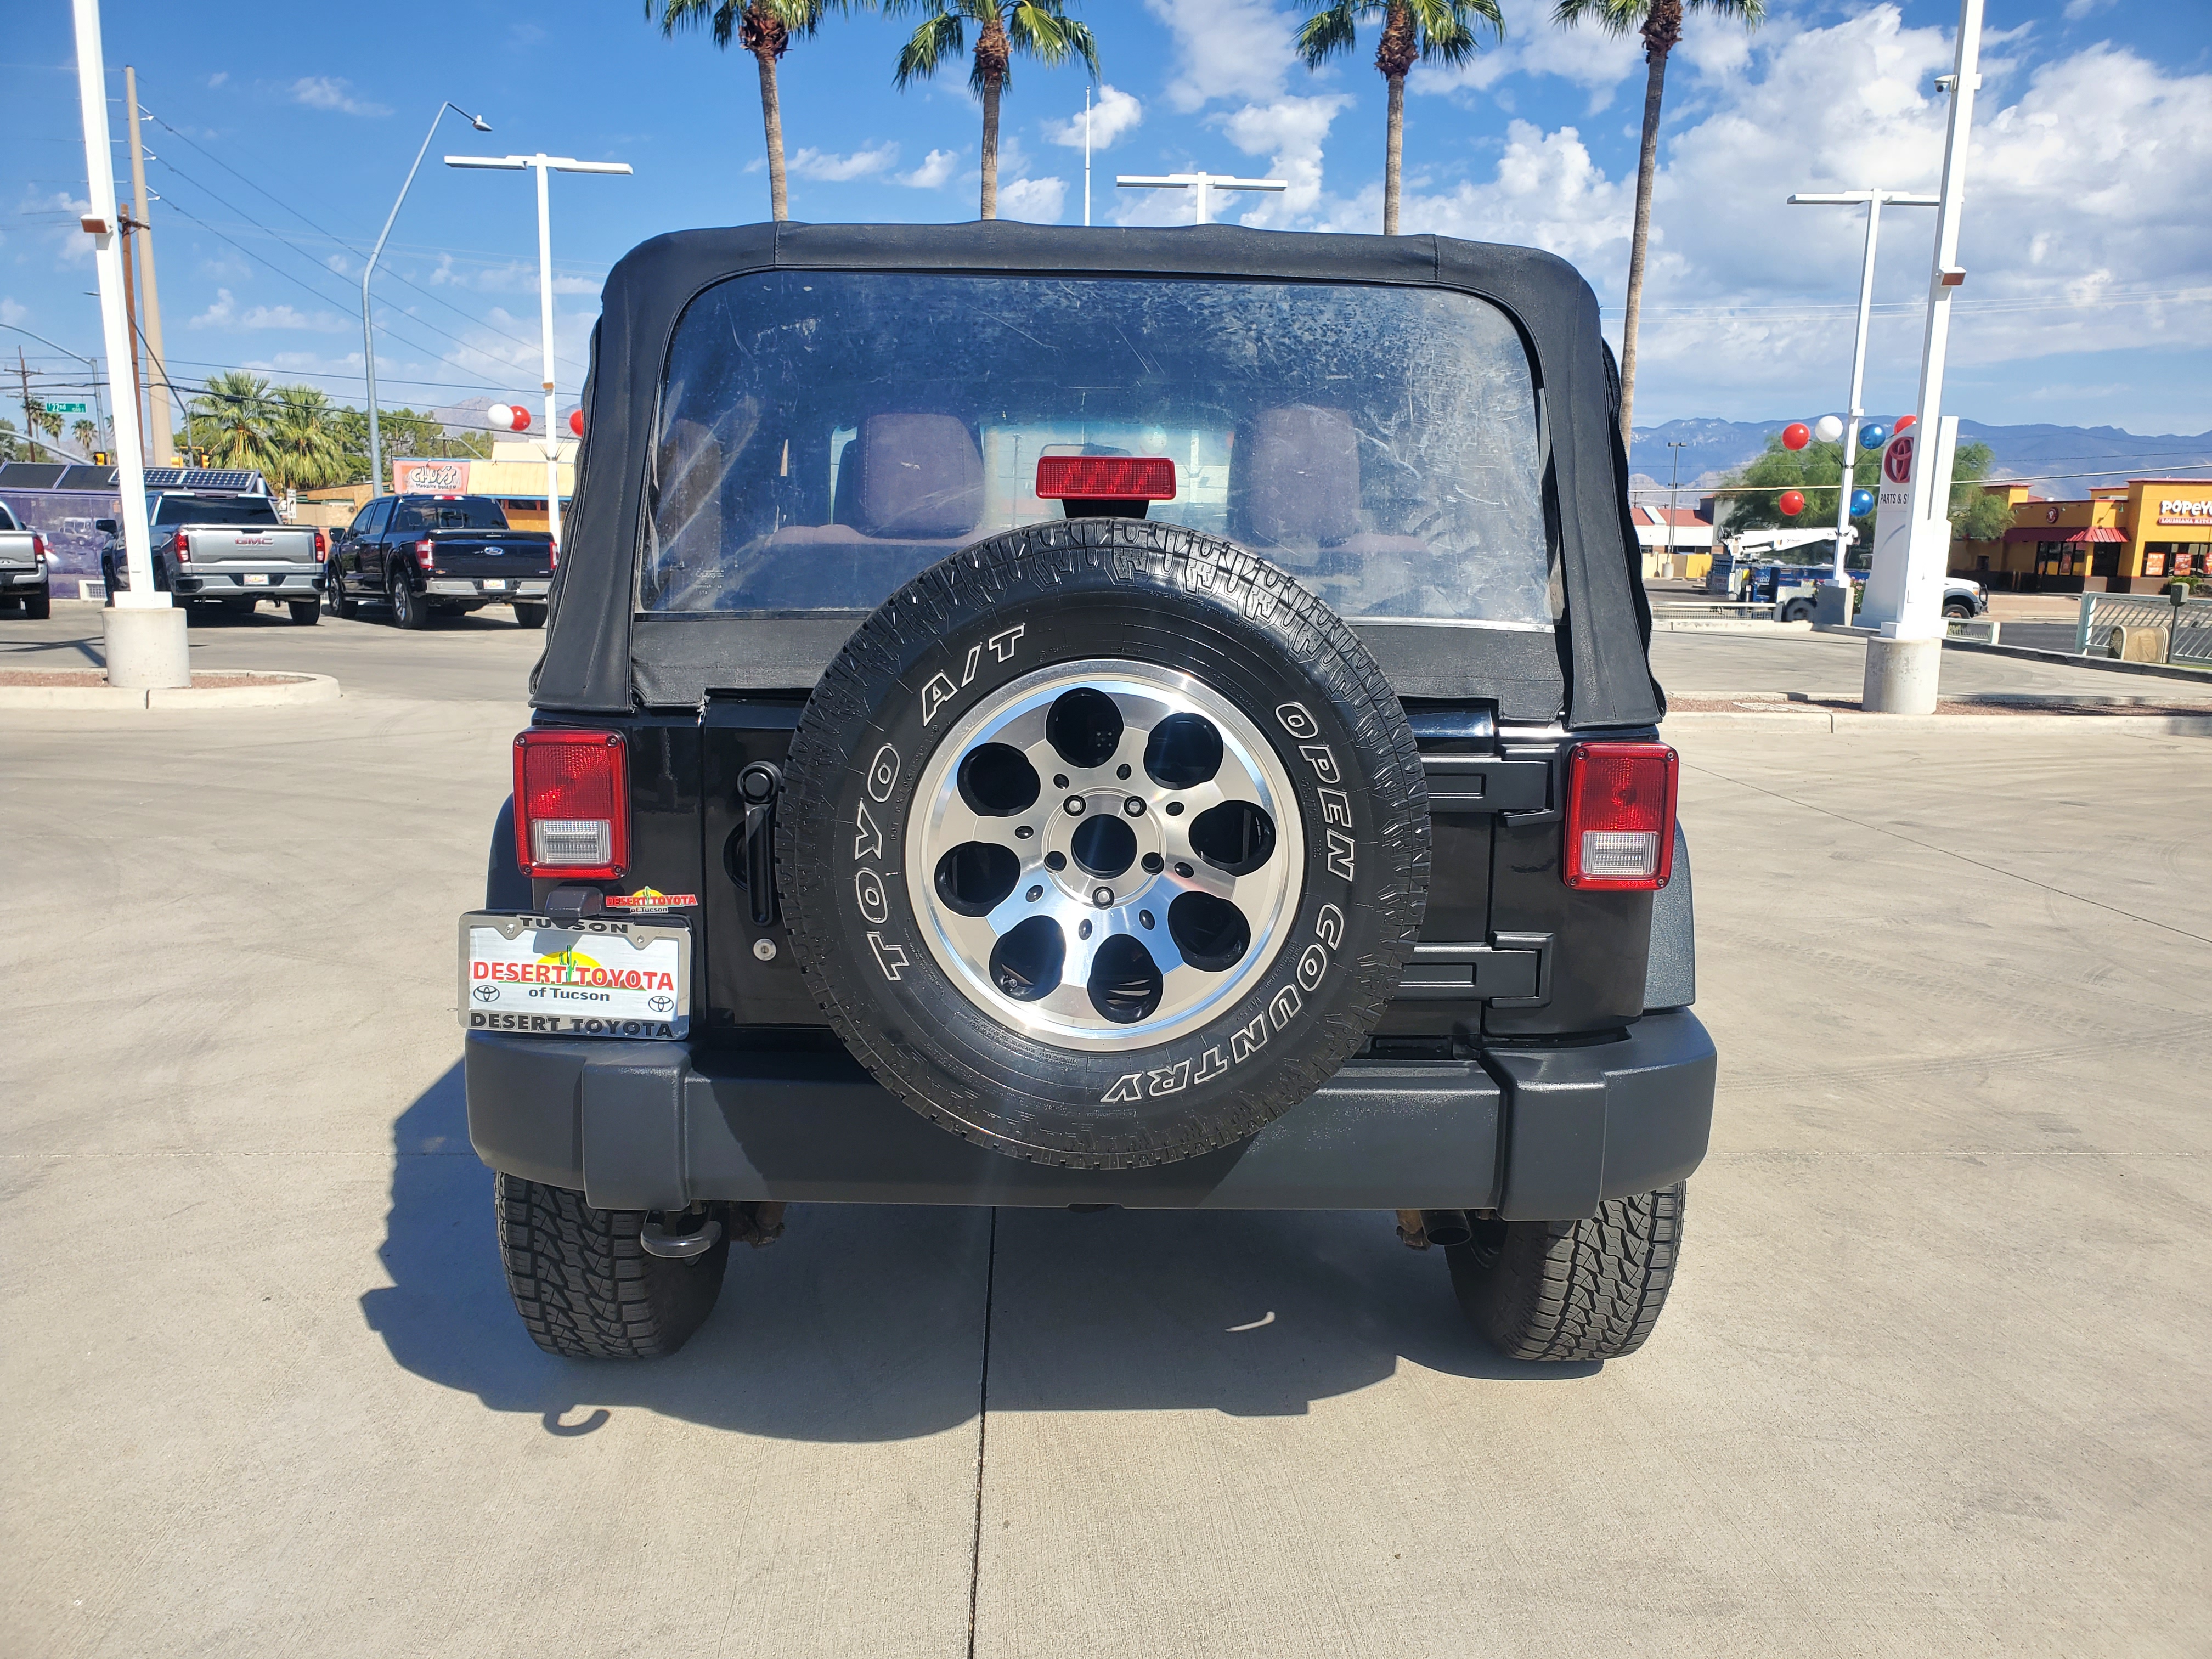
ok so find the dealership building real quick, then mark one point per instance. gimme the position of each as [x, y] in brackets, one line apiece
[2131, 537]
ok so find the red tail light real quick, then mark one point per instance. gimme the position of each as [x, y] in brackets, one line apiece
[1621, 816]
[1105, 478]
[571, 804]
[322, 547]
[422, 552]
[37, 547]
[183, 547]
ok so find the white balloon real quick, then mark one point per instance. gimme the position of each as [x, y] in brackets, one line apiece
[1828, 428]
[501, 416]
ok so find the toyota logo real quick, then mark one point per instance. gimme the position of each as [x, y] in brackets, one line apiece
[486, 994]
[1898, 464]
[661, 1005]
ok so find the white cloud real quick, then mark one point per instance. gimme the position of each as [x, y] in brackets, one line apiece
[838, 169]
[1226, 49]
[319, 322]
[1585, 55]
[936, 167]
[340, 263]
[218, 77]
[11, 313]
[2083, 228]
[223, 313]
[1036, 200]
[332, 91]
[2078, 9]
[1113, 112]
[512, 276]
[1289, 132]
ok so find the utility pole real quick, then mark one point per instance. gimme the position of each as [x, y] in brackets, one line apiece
[1086, 153]
[1904, 665]
[30, 425]
[545, 166]
[1674, 484]
[126, 225]
[162, 433]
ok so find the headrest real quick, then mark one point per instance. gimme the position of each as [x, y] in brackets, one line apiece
[1294, 477]
[920, 476]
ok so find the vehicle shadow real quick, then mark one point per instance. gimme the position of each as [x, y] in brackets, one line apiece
[865, 1323]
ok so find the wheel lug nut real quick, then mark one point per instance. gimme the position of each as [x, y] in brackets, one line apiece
[1023, 832]
[1083, 930]
[1103, 898]
[1143, 918]
[1134, 806]
[1035, 894]
[1185, 872]
[1074, 805]
[1056, 860]
[1152, 864]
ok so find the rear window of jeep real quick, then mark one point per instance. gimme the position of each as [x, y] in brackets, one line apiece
[823, 437]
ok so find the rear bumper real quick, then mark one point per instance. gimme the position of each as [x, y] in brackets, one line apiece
[1534, 1134]
[525, 588]
[291, 583]
[18, 581]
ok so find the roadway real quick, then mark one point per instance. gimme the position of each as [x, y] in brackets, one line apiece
[1922, 1386]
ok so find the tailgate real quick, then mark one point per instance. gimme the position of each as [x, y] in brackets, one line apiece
[232, 546]
[492, 553]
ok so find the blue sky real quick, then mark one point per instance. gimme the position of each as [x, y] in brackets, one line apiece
[281, 136]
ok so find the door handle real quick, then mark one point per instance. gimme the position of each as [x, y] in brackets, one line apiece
[758, 786]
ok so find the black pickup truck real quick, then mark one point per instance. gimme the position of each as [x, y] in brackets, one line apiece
[426, 555]
[1089, 717]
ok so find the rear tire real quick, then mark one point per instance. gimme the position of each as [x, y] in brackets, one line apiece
[38, 606]
[1959, 608]
[410, 609]
[584, 1284]
[305, 612]
[335, 599]
[1798, 611]
[1581, 1289]
[530, 616]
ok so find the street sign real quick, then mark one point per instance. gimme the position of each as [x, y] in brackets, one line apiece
[53, 408]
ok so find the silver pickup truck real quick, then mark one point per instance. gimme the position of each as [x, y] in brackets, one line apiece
[23, 579]
[226, 550]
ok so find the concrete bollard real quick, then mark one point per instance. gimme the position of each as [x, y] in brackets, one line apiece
[2136, 644]
[147, 647]
[1901, 676]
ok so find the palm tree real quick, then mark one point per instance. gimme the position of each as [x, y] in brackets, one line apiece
[1413, 30]
[304, 450]
[231, 420]
[1660, 23]
[1041, 28]
[765, 30]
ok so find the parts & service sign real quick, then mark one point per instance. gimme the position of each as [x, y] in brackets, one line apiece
[591, 978]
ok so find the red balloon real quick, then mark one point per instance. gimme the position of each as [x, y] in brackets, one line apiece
[1903, 422]
[521, 418]
[1793, 503]
[576, 422]
[1796, 435]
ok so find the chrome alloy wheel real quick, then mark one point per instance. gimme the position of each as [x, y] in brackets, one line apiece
[1105, 856]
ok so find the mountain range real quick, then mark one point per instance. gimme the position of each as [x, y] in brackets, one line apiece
[2064, 461]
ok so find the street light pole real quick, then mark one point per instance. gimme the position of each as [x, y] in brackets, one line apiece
[368, 332]
[542, 164]
[1674, 484]
[1903, 666]
[1204, 183]
[1874, 200]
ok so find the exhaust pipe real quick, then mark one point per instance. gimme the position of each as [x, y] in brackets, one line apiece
[1447, 1227]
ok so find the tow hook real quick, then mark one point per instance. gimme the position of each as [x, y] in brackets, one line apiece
[654, 1237]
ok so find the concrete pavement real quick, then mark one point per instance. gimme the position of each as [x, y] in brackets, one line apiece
[1928, 1382]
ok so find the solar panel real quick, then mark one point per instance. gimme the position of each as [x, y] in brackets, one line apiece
[238, 482]
[164, 477]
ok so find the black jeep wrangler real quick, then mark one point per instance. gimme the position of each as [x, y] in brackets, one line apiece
[1068, 717]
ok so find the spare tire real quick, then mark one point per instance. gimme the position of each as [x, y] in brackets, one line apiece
[1102, 843]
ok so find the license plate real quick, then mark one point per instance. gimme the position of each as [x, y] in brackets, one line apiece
[495, 584]
[592, 977]
[256, 579]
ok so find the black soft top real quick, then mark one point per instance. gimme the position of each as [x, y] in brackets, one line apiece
[602, 658]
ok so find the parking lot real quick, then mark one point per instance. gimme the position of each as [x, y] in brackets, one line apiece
[1930, 1379]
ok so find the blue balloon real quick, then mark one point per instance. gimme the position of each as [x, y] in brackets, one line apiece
[1873, 437]
[1861, 502]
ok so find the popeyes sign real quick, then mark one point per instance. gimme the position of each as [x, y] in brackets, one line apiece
[2182, 509]
[430, 478]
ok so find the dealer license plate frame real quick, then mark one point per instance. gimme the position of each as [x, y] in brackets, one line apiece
[583, 1004]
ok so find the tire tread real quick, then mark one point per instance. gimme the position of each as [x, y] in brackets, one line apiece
[584, 1284]
[1585, 1289]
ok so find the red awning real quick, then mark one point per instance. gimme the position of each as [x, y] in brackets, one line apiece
[2067, 535]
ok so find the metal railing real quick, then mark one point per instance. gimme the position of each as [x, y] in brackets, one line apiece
[2102, 612]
